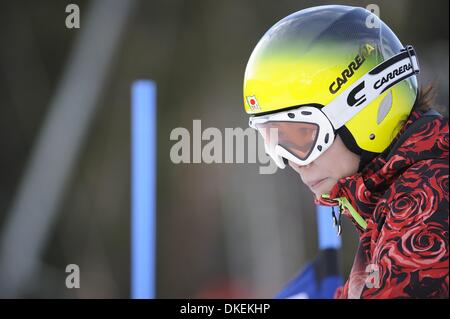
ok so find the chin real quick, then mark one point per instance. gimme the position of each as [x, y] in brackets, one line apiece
[324, 189]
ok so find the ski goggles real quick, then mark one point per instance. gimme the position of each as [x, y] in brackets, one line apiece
[302, 134]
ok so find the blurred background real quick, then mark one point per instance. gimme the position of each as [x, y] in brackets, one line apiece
[223, 230]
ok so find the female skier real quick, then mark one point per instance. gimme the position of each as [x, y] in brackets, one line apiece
[334, 94]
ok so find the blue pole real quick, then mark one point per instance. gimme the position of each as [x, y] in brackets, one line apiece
[327, 233]
[143, 189]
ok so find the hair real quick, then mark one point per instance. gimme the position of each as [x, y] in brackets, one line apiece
[426, 98]
[425, 101]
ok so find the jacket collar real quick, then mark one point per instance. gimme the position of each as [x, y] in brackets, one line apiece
[365, 188]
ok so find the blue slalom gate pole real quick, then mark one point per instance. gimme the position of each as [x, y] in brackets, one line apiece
[143, 189]
[328, 237]
[320, 277]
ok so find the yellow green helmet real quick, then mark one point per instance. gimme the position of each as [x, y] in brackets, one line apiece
[313, 55]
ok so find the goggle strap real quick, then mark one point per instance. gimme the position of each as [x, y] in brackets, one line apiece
[361, 93]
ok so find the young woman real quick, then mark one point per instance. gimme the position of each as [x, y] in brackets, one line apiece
[334, 94]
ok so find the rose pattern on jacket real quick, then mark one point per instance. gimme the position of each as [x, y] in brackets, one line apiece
[404, 201]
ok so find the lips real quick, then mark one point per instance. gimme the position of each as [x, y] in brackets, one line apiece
[316, 182]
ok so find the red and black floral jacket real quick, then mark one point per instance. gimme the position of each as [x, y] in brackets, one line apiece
[403, 196]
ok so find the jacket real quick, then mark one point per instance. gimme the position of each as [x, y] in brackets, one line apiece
[401, 200]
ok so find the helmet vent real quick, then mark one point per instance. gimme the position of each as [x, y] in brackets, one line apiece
[384, 107]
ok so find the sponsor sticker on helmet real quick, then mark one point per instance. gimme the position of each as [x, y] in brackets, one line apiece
[253, 103]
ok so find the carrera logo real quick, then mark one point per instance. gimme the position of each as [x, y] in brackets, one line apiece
[352, 67]
[352, 100]
[392, 75]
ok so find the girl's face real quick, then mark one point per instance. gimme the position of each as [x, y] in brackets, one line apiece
[323, 173]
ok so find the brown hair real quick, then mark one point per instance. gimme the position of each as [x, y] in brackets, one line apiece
[426, 98]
